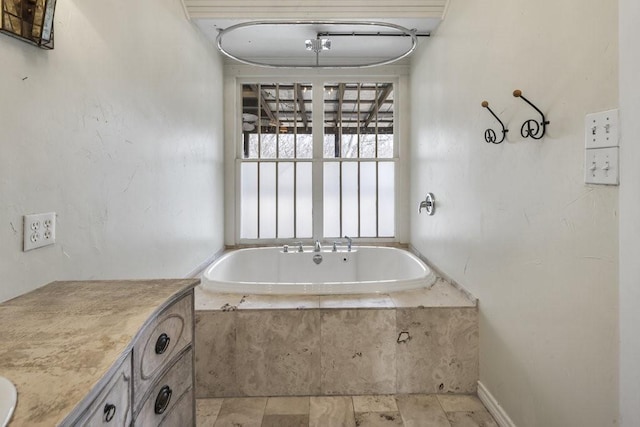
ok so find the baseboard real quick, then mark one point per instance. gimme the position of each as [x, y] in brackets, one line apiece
[196, 272]
[494, 407]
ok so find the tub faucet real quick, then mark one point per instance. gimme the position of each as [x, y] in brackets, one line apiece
[299, 246]
[348, 243]
[317, 247]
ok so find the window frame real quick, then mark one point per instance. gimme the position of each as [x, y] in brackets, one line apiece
[398, 76]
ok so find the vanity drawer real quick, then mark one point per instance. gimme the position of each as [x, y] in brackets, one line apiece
[160, 342]
[170, 400]
[112, 406]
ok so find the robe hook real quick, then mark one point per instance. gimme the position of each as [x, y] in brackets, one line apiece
[531, 128]
[490, 134]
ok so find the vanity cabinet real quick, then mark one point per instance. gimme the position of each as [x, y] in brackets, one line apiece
[154, 384]
[171, 399]
[112, 406]
[159, 345]
[101, 353]
[163, 367]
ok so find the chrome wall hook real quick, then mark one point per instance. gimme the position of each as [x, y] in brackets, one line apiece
[429, 204]
[490, 134]
[532, 128]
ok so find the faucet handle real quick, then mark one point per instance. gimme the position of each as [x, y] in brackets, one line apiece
[299, 244]
[349, 241]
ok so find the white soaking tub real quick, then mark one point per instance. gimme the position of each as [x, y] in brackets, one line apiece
[366, 269]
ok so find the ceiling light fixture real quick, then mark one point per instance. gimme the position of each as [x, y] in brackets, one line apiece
[318, 45]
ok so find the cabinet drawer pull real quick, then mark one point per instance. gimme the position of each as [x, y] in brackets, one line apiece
[162, 343]
[163, 399]
[109, 412]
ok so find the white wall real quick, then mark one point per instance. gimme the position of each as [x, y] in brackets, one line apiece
[119, 131]
[515, 223]
[629, 213]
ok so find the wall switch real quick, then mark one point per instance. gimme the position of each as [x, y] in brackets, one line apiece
[601, 166]
[39, 230]
[601, 129]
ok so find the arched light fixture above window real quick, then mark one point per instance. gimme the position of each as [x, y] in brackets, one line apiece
[316, 44]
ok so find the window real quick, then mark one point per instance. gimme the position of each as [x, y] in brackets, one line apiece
[358, 160]
[347, 167]
[276, 169]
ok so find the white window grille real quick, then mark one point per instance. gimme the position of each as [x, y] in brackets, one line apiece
[356, 154]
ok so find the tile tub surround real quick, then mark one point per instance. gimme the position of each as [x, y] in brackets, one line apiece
[417, 410]
[421, 341]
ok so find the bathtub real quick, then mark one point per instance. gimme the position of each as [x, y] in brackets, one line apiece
[366, 269]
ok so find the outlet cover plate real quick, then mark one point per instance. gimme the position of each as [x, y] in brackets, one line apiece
[601, 129]
[601, 166]
[39, 230]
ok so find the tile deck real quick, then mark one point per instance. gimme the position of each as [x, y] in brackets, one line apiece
[414, 410]
[440, 294]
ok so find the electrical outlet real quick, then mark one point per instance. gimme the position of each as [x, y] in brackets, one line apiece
[601, 166]
[39, 230]
[601, 129]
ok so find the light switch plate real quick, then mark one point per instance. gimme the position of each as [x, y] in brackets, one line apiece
[601, 129]
[601, 166]
[39, 230]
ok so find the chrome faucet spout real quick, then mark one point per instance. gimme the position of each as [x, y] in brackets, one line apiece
[349, 242]
[317, 247]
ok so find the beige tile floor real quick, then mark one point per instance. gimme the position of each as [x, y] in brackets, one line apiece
[416, 410]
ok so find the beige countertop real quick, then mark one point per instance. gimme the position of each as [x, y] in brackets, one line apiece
[58, 341]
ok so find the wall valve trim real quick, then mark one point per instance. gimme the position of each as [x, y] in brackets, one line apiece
[429, 204]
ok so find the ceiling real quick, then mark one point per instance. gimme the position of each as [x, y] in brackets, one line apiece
[352, 44]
